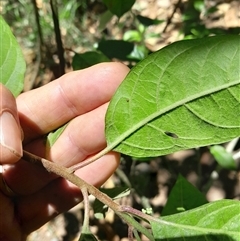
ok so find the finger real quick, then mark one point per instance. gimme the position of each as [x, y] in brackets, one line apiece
[60, 195]
[10, 131]
[47, 108]
[10, 229]
[83, 136]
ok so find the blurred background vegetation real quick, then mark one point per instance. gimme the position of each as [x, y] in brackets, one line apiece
[85, 25]
[60, 36]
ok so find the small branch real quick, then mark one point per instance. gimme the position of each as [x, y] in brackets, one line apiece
[36, 13]
[68, 175]
[170, 18]
[85, 228]
[132, 222]
[138, 214]
[85, 187]
[130, 233]
[57, 31]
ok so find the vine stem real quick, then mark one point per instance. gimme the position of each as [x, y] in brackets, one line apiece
[88, 188]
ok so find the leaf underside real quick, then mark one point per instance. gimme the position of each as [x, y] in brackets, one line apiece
[184, 96]
[213, 221]
[12, 63]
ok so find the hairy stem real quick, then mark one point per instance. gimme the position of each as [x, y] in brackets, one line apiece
[68, 175]
[122, 212]
[132, 222]
[138, 214]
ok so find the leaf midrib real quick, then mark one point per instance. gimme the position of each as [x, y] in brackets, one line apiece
[169, 108]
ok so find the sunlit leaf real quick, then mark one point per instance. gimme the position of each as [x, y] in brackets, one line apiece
[213, 221]
[184, 96]
[223, 158]
[12, 64]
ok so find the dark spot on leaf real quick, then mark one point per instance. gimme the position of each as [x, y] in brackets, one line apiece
[173, 135]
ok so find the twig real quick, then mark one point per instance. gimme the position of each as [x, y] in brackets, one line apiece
[85, 228]
[130, 233]
[38, 22]
[68, 175]
[170, 18]
[57, 31]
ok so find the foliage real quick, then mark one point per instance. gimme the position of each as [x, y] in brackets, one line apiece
[12, 64]
[184, 196]
[183, 96]
[119, 7]
[157, 94]
[224, 158]
[213, 221]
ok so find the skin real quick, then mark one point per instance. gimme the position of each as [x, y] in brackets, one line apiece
[80, 97]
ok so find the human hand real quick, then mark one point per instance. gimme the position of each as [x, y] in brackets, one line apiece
[36, 196]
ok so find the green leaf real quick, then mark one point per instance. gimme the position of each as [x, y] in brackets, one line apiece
[12, 64]
[104, 19]
[148, 21]
[132, 36]
[183, 196]
[54, 135]
[213, 221]
[223, 158]
[87, 59]
[119, 7]
[87, 237]
[139, 52]
[184, 96]
[116, 48]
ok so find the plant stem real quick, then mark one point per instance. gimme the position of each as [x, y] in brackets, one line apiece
[130, 233]
[60, 49]
[136, 235]
[138, 214]
[37, 17]
[68, 175]
[132, 222]
[85, 228]
[91, 159]
[85, 187]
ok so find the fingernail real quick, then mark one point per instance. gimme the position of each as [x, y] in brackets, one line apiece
[10, 134]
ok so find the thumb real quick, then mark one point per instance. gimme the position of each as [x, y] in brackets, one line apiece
[10, 130]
